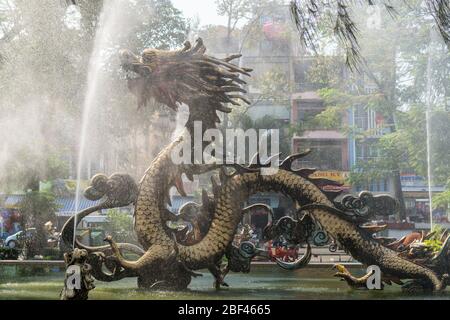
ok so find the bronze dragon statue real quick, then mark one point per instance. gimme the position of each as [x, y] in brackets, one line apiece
[207, 85]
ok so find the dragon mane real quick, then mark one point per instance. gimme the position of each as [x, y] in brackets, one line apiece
[204, 83]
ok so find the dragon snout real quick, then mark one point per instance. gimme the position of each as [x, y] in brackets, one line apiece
[127, 58]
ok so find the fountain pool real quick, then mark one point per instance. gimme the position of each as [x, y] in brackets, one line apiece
[264, 282]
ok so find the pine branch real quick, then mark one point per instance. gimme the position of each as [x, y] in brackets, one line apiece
[307, 14]
[440, 10]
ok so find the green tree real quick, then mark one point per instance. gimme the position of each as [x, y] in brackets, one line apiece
[43, 81]
[274, 87]
[235, 11]
[392, 81]
[41, 84]
[24, 169]
[36, 208]
[266, 123]
[120, 226]
[124, 133]
[442, 199]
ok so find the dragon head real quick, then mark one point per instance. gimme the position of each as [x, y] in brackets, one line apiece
[186, 76]
[133, 63]
[139, 76]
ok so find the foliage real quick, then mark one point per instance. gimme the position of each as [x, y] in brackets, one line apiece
[326, 72]
[442, 199]
[36, 208]
[32, 271]
[272, 85]
[43, 88]
[162, 27]
[435, 241]
[403, 64]
[438, 231]
[237, 11]
[24, 169]
[411, 138]
[9, 253]
[247, 13]
[120, 226]
[268, 122]
[406, 148]
[53, 254]
[433, 244]
[314, 17]
[234, 10]
[331, 117]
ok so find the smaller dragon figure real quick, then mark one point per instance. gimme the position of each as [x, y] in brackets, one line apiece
[430, 250]
[80, 270]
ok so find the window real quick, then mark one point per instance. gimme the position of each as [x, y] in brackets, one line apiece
[365, 151]
[307, 110]
[325, 155]
[366, 119]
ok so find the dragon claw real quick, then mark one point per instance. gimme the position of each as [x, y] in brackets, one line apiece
[219, 283]
[340, 268]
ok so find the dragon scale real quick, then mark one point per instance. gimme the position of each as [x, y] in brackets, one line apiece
[227, 216]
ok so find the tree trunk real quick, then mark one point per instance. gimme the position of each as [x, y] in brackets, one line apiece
[398, 193]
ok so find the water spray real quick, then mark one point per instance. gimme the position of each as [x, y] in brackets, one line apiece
[108, 21]
[427, 120]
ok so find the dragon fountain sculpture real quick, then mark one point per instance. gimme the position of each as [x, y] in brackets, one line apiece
[174, 247]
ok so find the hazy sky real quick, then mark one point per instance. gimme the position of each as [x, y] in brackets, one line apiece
[204, 9]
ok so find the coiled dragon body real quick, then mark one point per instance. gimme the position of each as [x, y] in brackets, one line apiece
[206, 84]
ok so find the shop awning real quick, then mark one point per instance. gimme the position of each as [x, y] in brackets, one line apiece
[66, 205]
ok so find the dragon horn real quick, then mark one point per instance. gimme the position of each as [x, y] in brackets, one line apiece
[205, 198]
[198, 46]
[186, 46]
[287, 163]
[232, 57]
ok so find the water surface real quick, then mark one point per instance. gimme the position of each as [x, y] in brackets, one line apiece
[264, 282]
